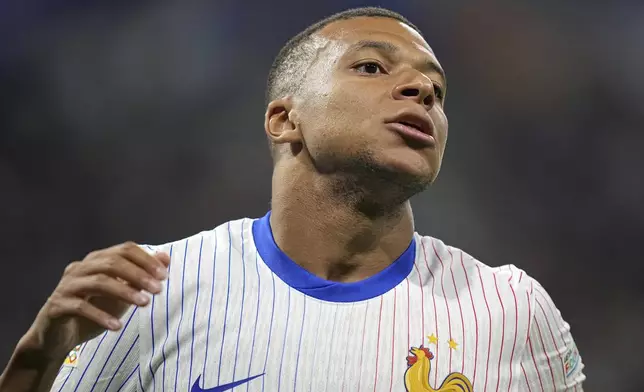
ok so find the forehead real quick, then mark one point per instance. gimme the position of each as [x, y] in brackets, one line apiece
[351, 31]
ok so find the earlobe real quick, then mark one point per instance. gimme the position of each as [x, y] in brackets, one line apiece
[280, 122]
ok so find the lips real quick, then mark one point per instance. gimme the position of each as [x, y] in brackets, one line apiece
[414, 127]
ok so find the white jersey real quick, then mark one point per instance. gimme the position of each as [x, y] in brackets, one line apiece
[236, 312]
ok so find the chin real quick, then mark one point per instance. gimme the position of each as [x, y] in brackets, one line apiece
[378, 182]
[403, 172]
[411, 164]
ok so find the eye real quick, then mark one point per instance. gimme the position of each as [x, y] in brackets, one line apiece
[438, 91]
[371, 68]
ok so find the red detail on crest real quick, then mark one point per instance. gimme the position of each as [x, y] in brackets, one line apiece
[412, 359]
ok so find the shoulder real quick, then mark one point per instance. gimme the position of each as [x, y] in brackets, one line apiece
[449, 256]
[506, 283]
[227, 235]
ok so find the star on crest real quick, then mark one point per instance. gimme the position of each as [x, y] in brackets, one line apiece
[452, 344]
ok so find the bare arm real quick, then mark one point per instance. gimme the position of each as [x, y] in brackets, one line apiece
[32, 367]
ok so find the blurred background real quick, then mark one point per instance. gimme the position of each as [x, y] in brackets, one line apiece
[144, 121]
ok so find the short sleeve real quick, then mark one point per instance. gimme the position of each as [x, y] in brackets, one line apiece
[551, 360]
[108, 362]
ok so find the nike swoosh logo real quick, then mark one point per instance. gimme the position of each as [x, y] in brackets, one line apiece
[221, 388]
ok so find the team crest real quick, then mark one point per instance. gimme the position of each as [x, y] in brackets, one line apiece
[417, 374]
[72, 357]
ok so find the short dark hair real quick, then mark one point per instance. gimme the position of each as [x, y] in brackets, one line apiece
[289, 67]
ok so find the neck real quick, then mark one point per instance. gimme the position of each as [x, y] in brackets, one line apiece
[328, 234]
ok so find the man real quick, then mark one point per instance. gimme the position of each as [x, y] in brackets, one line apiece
[332, 290]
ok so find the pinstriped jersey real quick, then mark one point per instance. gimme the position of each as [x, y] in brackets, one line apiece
[236, 313]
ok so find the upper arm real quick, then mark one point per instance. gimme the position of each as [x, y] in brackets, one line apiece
[551, 360]
[108, 362]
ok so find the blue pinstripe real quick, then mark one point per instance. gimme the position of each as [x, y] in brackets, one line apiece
[315, 344]
[270, 329]
[128, 378]
[66, 378]
[241, 314]
[114, 347]
[140, 381]
[223, 337]
[288, 314]
[194, 314]
[299, 345]
[212, 296]
[328, 369]
[90, 361]
[167, 320]
[183, 276]
[154, 381]
[119, 366]
[346, 346]
[252, 346]
[82, 347]
[71, 370]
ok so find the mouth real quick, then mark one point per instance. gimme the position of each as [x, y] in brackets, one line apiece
[414, 127]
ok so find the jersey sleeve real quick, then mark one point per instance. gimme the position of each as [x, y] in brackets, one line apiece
[551, 361]
[108, 362]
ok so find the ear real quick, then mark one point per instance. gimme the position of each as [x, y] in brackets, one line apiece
[280, 122]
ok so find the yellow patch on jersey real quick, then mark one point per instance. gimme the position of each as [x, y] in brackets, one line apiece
[72, 357]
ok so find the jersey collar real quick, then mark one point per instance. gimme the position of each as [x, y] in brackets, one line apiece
[304, 281]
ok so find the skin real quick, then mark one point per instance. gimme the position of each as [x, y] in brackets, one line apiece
[342, 179]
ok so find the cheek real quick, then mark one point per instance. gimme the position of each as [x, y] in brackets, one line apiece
[338, 116]
[442, 126]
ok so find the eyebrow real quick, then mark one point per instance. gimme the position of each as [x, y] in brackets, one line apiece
[390, 49]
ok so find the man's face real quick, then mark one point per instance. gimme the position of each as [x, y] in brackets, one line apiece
[370, 77]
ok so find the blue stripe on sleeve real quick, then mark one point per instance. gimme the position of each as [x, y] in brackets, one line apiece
[183, 277]
[167, 319]
[252, 346]
[66, 378]
[212, 296]
[288, 314]
[114, 347]
[128, 378]
[270, 330]
[82, 347]
[90, 361]
[241, 314]
[223, 337]
[194, 314]
[140, 381]
[299, 344]
[154, 383]
[120, 364]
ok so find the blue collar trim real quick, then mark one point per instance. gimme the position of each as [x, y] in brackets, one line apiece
[304, 281]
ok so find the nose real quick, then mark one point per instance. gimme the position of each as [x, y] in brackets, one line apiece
[421, 92]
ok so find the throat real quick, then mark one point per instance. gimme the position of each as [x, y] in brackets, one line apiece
[347, 271]
[320, 223]
[339, 248]
[342, 272]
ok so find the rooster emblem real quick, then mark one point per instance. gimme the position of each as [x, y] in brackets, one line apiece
[417, 374]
